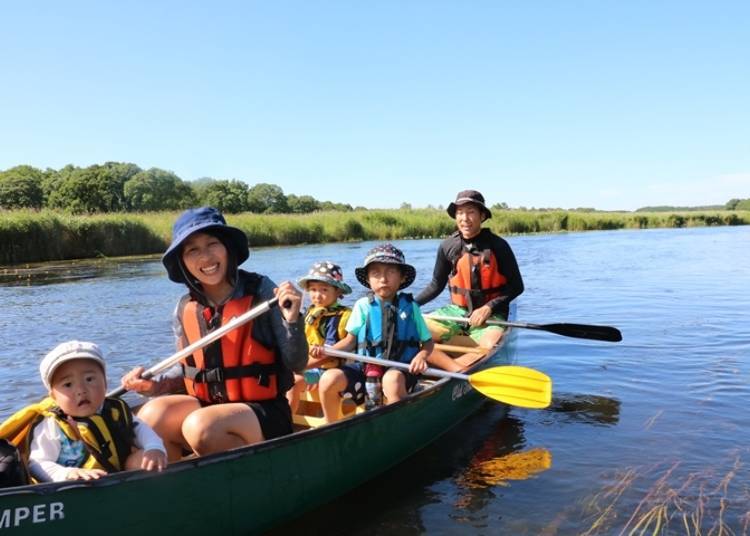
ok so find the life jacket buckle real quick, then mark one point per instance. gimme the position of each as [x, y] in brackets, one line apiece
[264, 379]
[214, 375]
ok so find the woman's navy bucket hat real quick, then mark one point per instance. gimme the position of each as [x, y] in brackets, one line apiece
[208, 220]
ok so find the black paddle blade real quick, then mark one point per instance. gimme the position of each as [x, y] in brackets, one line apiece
[583, 331]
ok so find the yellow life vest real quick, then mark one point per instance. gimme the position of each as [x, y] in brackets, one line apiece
[108, 435]
[326, 325]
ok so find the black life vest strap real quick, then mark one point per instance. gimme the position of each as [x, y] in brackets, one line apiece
[103, 453]
[122, 430]
[388, 313]
[221, 374]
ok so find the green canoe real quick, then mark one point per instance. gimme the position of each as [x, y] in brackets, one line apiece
[251, 489]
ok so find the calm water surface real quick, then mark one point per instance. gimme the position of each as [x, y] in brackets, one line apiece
[646, 436]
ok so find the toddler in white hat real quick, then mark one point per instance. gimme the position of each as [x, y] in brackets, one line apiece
[86, 435]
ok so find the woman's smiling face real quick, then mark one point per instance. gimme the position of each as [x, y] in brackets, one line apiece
[206, 258]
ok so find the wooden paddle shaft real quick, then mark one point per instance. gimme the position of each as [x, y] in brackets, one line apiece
[330, 351]
[234, 323]
[175, 358]
[489, 322]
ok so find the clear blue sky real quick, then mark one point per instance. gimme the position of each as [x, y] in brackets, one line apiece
[605, 104]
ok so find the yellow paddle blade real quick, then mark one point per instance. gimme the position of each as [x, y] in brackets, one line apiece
[514, 385]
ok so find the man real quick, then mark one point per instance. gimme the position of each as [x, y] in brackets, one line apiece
[481, 271]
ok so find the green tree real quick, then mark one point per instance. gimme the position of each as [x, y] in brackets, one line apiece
[97, 188]
[158, 189]
[123, 171]
[303, 204]
[744, 204]
[405, 206]
[732, 204]
[227, 196]
[339, 207]
[264, 197]
[21, 187]
[199, 187]
[50, 180]
[500, 206]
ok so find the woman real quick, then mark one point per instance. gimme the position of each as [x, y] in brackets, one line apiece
[235, 386]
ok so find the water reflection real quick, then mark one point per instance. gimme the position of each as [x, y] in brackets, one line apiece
[49, 273]
[587, 409]
[497, 471]
[449, 469]
[500, 459]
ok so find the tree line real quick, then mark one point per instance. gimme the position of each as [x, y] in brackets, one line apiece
[125, 187]
[732, 204]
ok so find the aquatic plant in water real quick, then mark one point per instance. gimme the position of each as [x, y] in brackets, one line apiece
[673, 501]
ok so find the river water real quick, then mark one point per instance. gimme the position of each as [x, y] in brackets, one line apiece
[649, 435]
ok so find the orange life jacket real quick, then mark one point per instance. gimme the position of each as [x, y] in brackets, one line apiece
[246, 370]
[476, 279]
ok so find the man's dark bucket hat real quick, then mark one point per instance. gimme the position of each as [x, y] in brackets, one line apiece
[205, 219]
[469, 196]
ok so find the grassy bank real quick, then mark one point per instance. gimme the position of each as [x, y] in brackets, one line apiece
[27, 236]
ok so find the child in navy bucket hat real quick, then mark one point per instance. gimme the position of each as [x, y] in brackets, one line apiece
[237, 385]
[387, 254]
[388, 323]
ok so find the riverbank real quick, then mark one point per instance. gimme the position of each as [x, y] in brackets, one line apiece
[30, 236]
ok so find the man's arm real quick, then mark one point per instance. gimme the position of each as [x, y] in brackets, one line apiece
[439, 279]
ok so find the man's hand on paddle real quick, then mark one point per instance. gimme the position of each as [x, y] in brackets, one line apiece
[479, 316]
[289, 295]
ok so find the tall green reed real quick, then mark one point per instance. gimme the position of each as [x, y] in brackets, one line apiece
[31, 236]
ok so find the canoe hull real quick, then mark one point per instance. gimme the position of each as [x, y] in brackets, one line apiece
[252, 489]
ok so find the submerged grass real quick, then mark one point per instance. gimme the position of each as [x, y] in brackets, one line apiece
[29, 236]
[700, 503]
